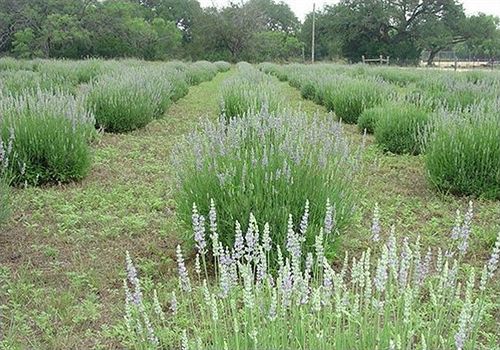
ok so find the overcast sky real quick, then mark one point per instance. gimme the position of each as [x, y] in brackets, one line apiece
[302, 7]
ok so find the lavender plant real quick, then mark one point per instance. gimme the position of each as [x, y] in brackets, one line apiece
[130, 100]
[201, 71]
[45, 138]
[271, 164]
[250, 90]
[222, 66]
[398, 127]
[395, 295]
[463, 152]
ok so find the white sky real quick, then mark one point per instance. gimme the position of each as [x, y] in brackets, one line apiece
[302, 7]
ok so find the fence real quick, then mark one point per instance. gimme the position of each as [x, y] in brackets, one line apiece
[381, 60]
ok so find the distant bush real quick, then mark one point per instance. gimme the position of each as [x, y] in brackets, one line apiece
[201, 71]
[222, 66]
[130, 100]
[399, 126]
[270, 164]
[50, 135]
[463, 153]
[248, 91]
[350, 97]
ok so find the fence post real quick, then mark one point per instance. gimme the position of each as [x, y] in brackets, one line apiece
[388, 59]
[363, 58]
[381, 60]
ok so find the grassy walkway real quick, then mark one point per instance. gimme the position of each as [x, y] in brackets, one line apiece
[62, 254]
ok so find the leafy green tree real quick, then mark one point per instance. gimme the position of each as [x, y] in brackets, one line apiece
[275, 46]
[23, 44]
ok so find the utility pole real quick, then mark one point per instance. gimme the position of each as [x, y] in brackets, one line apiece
[313, 32]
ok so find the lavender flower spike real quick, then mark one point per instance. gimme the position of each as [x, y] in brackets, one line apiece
[376, 224]
[328, 218]
[199, 230]
[184, 281]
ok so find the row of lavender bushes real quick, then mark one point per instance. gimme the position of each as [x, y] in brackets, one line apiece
[448, 116]
[49, 111]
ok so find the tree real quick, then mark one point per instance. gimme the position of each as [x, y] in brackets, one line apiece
[23, 44]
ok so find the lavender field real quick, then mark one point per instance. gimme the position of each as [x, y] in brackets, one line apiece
[208, 205]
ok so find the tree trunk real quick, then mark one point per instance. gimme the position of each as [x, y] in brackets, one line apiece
[432, 55]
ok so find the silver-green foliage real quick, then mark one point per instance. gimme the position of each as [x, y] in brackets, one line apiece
[269, 164]
[463, 152]
[46, 137]
[395, 295]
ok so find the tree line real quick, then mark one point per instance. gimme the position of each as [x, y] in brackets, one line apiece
[253, 30]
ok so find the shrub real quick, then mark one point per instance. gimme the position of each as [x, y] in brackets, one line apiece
[130, 100]
[222, 66]
[351, 97]
[396, 295]
[463, 153]
[249, 91]
[268, 164]
[201, 71]
[369, 117]
[399, 127]
[50, 135]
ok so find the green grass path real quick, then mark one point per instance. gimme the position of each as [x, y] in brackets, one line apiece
[62, 253]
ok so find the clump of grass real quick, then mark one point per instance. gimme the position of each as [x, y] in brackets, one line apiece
[396, 295]
[48, 134]
[270, 164]
[250, 90]
[399, 127]
[463, 152]
[129, 101]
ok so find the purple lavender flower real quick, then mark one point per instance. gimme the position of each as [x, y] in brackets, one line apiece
[466, 230]
[305, 220]
[266, 238]
[406, 256]
[173, 303]
[199, 230]
[381, 276]
[184, 281]
[494, 258]
[251, 238]
[329, 219]
[134, 280]
[239, 242]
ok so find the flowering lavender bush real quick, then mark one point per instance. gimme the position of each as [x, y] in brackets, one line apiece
[271, 164]
[250, 90]
[222, 66]
[396, 295]
[201, 71]
[130, 100]
[398, 127]
[44, 138]
[463, 152]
